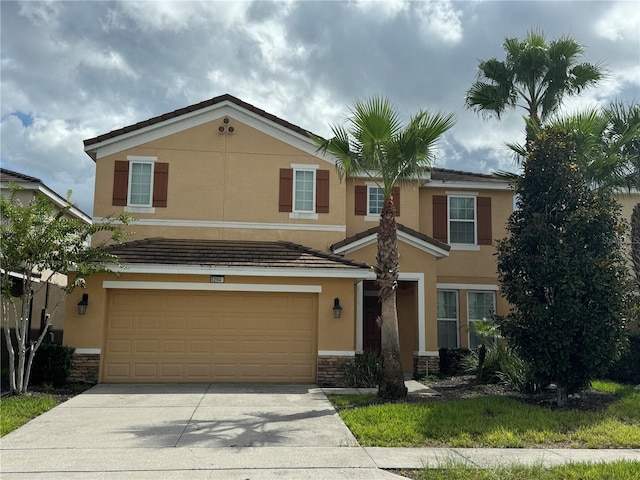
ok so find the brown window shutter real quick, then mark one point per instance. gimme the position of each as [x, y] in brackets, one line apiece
[322, 191]
[440, 218]
[160, 184]
[484, 221]
[396, 200]
[361, 200]
[286, 190]
[120, 183]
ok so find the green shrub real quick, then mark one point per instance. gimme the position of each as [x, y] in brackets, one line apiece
[503, 365]
[52, 364]
[626, 369]
[365, 370]
[451, 360]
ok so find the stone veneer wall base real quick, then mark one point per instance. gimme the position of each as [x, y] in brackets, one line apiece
[85, 367]
[425, 365]
[332, 370]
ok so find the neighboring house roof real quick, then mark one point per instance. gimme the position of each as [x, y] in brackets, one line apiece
[228, 253]
[28, 182]
[409, 235]
[445, 175]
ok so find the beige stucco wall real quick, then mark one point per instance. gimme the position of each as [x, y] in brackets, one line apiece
[409, 207]
[223, 178]
[87, 331]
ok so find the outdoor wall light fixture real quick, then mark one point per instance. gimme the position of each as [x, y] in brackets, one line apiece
[82, 304]
[337, 309]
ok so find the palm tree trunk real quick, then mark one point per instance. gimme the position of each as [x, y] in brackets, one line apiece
[392, 378]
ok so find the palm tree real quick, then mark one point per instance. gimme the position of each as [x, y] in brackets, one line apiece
[376, 144]
[535, 76]
[607, 144]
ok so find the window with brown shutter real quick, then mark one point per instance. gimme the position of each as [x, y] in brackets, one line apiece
[361, 200]
[160, 184]
[440, 218]
[286, 190]
[485, 236]
[120, 183]
[322, 191]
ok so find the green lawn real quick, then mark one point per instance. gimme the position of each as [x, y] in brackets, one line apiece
[493, 421]
[620, 470]
[16, 411]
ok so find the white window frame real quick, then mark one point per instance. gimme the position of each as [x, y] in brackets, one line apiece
[137, 207]
[306, 214]
[369, 212]
[457, 319]
[469, 320]
[463, 246]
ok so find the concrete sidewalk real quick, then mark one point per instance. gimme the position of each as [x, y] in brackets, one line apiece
[222, 431]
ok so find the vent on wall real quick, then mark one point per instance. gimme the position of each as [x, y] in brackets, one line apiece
[226, 126]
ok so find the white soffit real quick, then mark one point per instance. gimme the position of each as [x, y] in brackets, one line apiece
[199, 117]
[402, 236]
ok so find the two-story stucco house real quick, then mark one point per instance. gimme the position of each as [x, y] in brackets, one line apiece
[245, 239]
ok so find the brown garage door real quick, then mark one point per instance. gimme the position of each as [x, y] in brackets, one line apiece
[180, 336]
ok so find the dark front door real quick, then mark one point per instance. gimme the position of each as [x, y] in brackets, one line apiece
[372, 311]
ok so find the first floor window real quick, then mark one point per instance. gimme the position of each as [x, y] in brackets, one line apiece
[303, 191]
[447, 319]
[481, 306]
[462, 220]
[140, 184]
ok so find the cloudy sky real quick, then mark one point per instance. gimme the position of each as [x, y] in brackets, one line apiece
[74, 70]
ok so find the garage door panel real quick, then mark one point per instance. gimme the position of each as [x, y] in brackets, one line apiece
[210, 336]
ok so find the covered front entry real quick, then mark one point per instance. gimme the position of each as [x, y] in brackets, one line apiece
[407, 305]
[192, 336]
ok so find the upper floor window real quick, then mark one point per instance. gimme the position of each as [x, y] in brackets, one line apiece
[375, 200]
[447, 319]
[369, 200]
[304, 191]
[462, 220]
[481, 306]
[140, 183]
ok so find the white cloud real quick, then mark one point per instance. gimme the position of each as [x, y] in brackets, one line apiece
[441, 20]
[381, 10]
[621, 23]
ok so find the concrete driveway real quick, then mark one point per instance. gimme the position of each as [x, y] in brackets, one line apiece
[188, 431]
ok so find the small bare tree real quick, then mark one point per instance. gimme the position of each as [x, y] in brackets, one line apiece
[39, 239]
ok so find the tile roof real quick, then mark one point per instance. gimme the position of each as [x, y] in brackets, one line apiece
[402, 228]
[11, 176]
[446, 175]
[193, 108]
[228, 253]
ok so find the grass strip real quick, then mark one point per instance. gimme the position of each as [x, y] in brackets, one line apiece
[16, 411]
[618, 470]
[492, 421]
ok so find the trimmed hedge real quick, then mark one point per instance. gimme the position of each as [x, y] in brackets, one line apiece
[451, 360]
[52, 364]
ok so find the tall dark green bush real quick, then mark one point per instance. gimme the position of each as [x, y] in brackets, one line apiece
[52, 365]
[562, 270]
